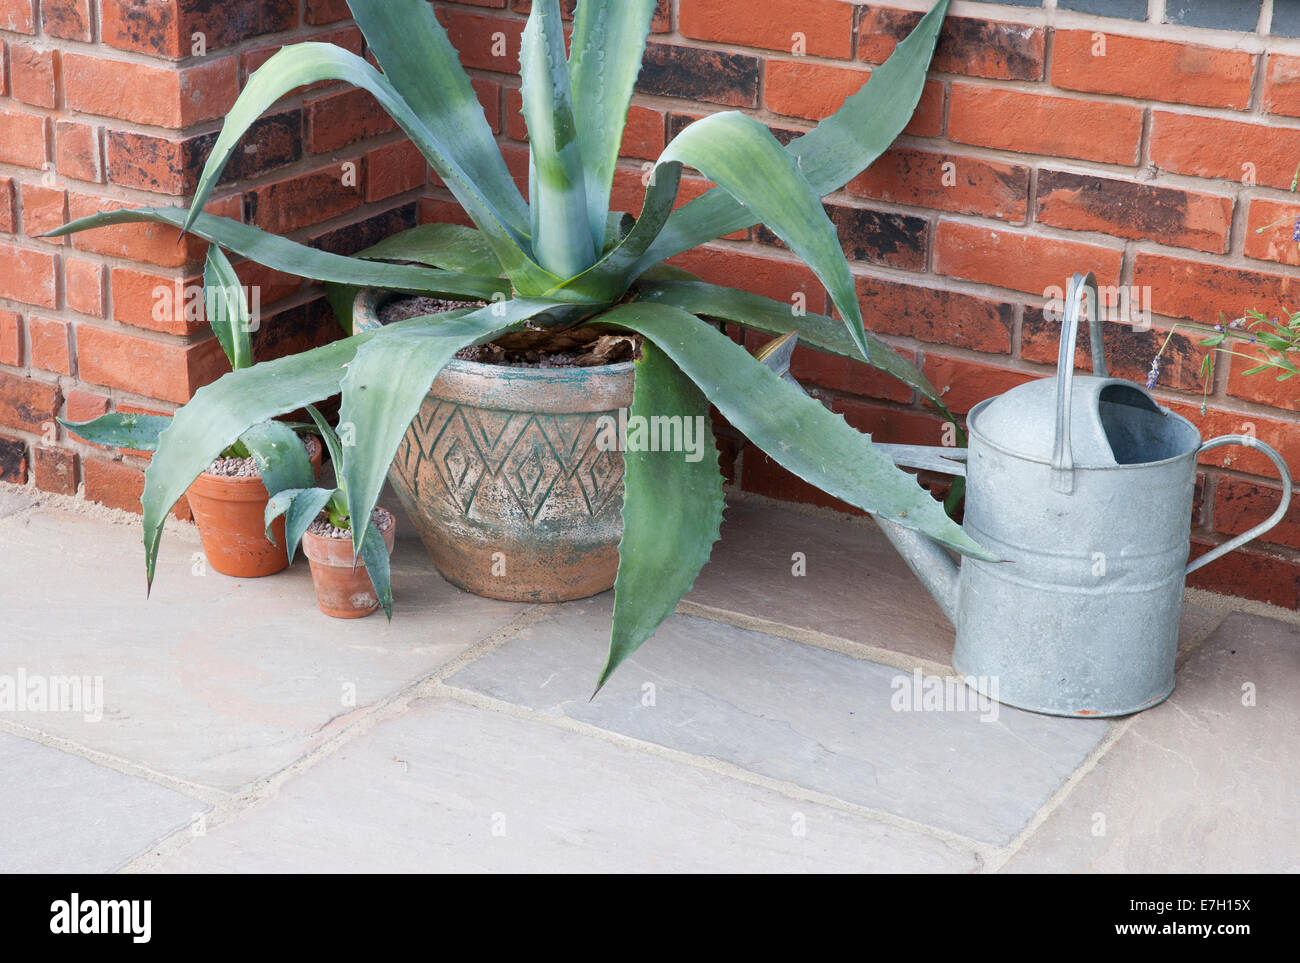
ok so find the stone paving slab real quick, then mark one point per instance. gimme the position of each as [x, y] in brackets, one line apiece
[809, 716]
[1201, 783]
[856, 587]
[60, 813]
[447, 787]
[214, 680]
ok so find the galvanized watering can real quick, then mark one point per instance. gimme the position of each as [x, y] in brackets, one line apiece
[1084, 486]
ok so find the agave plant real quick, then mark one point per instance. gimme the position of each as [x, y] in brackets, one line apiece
[561, 259]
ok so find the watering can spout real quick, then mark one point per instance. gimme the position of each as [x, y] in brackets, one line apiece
[933, 566]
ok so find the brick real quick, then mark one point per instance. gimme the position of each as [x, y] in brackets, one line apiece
[1275, 243]
[84, 406]
[814, 91]
[1282, 85]
[113, 484]
[1262, 388]
[154, 243]
[712, 76]
[1120, 208]
[11, 338]
[325, 11]
[23, 139]
[33, 74]
[83, 286]
[51, 344]
[489, 96]
[76, 151]
[483, 42]
[55, 470]
[8, 209]
[971, 185]
[825, 26]
[156, 369]
[964, 384]
[29, 276]
[1033, 123]
[837, 373]
[144, 94]
[394, 169]
[872, 236]
[1199, 291]
[1129, 350]
[352, 236]
[18, 16]
[337, 120]
[442, 210]
[936, 315]
[27, 404]
[643, 134]
[286, 205]
[1279, 434]
[1152, 69]
[294, 329]
[1021, 262]
[167, 28]
[967, 45]
[1228, 149]
[68, 20]
[157, 302]
[13, 460]
[1248, 573]
[628, 194]
[264, 284]
[775, 278]
[1240, 505]
[44, 209]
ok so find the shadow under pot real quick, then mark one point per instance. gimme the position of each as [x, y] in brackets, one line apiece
[344, 590]
[230, 511]
[501, 475]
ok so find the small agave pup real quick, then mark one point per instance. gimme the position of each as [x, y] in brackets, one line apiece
[343, 587]
[562, 259]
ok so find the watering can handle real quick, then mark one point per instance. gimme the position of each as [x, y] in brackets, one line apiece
[1248, 441]
[1062, 457]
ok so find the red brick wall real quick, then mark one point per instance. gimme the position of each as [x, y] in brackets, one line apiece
[109, 103]
[1032, 156]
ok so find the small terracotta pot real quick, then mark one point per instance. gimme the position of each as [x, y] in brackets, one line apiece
[342, 592]
[230, 514]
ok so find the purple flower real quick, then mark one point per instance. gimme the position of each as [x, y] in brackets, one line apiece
[1154, 374]
[1295, 233]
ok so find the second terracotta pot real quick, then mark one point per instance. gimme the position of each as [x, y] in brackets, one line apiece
[342, 590]
[230, 514]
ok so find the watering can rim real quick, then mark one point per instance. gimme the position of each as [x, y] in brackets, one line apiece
[973, 430]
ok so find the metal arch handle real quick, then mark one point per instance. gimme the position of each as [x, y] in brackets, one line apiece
[1279, 462]
[1062, 456]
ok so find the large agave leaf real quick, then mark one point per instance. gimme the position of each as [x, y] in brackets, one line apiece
[672, 511]
[298, 259]
[776, 318]
[564, 241]
[830, 155]
[796, 431]
[452, 247]
[608, 44]
[119, 430]
[422, 66]
[374, 553]
[227, 308]
[743, 157]
[388, 380]
[307, 63]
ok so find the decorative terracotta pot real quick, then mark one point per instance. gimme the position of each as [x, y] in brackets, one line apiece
[342, 592]
[230, 514]
[501, 476]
